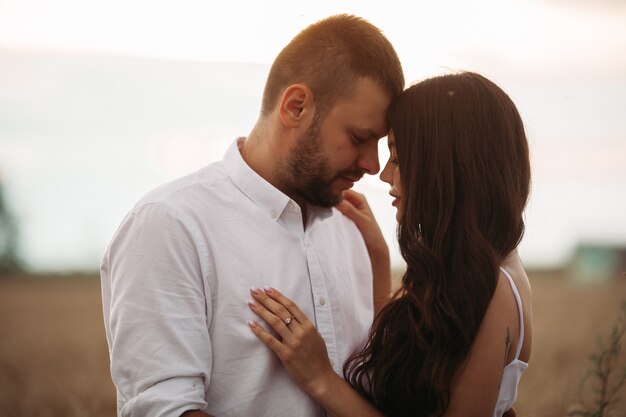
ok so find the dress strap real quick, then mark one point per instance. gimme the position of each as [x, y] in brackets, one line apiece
[518, 299]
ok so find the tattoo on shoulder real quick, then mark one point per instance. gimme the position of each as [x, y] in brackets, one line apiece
[507, 343]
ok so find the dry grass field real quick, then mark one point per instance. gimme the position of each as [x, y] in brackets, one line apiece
[54, 361]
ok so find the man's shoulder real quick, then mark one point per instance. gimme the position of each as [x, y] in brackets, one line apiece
[197, 186]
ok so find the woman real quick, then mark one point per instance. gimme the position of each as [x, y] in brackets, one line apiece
[456, 337]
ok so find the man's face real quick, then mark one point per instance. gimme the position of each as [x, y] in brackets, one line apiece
[336, 151]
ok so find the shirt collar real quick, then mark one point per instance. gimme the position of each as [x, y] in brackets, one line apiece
[269, 198]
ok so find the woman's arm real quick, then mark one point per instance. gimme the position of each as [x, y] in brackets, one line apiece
[355, 207]
[302, 351]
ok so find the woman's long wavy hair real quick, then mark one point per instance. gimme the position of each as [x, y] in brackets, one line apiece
[465, 178]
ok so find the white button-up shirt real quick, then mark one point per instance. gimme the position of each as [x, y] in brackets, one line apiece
[175, 284]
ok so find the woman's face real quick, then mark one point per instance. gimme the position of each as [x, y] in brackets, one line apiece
[391, 175]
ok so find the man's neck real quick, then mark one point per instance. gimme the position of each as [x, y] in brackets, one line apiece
[257, 153]
[263, 152]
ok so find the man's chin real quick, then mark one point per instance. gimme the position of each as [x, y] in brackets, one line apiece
[330, 202]
[327, 201]
[328, 194]
[344, 183]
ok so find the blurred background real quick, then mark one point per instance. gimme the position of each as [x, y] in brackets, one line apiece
[101, 101]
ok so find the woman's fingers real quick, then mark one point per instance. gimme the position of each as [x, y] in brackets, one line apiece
[302, 349]
[287, 304]
[358, 201]
[347, 209]
[355, 207]
[354, 198]
[277, 347]
[273, 306]
[275, 317]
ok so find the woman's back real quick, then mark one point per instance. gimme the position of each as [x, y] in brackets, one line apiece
[499, 336]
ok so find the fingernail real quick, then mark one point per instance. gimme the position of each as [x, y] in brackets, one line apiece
[268, 290]
[255, 290]
[251, 303]
[252, 324]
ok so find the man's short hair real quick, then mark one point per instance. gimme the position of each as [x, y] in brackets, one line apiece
[330, 56]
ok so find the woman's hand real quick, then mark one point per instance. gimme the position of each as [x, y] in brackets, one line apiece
[302, 351]
[355, 207]
[301, 348]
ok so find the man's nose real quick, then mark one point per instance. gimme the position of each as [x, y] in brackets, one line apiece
[368, 160]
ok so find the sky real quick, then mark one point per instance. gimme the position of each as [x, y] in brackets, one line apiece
[526, 36]
[562, 62]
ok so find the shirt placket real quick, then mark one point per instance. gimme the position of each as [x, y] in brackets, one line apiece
[322, 304]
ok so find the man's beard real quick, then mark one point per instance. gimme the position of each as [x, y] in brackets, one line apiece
[307, 170]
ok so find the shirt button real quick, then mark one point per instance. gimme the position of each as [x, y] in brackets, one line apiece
[322, 301]
[274, 214]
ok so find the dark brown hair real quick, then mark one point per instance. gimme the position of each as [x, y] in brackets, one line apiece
[329, 56]
[465, 177]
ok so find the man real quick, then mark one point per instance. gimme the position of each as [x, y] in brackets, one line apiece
[177, 274]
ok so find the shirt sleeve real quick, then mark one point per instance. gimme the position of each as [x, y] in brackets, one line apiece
[159, 314]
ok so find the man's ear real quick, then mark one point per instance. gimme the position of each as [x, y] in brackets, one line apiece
[296, 105]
